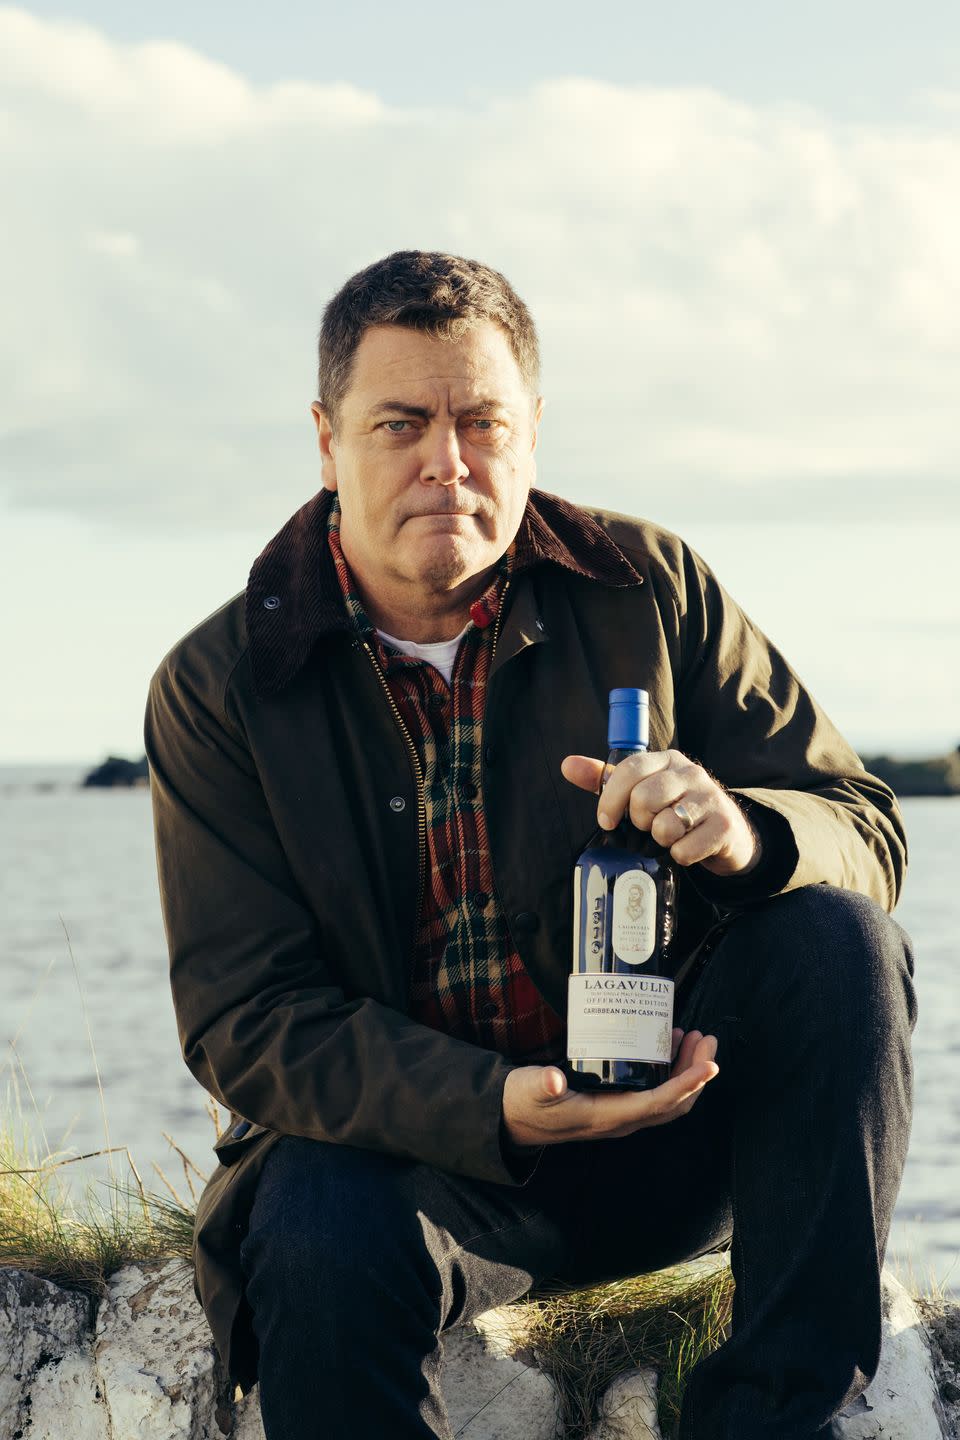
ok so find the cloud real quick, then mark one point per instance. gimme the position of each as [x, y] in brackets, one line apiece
[743, 310]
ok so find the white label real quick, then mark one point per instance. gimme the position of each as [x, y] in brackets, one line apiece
[634, 916]
[619, 1017]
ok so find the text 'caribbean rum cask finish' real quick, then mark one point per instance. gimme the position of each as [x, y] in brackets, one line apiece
[620, 993]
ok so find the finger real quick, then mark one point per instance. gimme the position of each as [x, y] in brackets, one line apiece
[698, 1049]
[553, 1082]
[676, 1038]
[686, 1048]
[655, 795]
[695, 1047]
[712, 835]
[679, 1090]
[636, 1108]
[623, 778]
[584, 771]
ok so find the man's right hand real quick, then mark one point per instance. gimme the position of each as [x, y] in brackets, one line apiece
[540, 1109]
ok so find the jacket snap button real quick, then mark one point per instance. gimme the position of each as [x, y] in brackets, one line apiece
[398, 803]
[480, 899]
[272, 602]
[488, 1010]
[526, 922]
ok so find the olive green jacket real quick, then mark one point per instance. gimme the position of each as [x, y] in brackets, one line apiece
[290, 835]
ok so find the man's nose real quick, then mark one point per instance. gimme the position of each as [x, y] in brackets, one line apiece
[443, 462]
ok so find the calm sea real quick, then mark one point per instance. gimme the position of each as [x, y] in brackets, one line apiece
[77, 874]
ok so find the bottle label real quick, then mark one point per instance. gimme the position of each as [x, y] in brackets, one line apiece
[634, 916]
[619, 1017]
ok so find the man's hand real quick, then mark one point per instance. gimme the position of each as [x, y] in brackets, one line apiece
[540, 1109]
[648, 786]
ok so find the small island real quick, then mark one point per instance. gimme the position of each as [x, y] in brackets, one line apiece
[117, 772]
[937, 776]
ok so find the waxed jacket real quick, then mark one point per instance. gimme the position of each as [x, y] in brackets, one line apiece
[290, 841]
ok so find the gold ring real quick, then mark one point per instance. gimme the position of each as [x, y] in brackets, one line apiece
[684, 816]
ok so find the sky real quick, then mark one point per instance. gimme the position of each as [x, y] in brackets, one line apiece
[738, 230]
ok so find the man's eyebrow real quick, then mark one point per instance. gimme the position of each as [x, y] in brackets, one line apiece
[397, 407]
[419, 412]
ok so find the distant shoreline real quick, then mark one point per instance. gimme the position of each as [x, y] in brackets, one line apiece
[908, 778]
[939, 775]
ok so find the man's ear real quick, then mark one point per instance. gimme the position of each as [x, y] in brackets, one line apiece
[327, 443]
[538, 412]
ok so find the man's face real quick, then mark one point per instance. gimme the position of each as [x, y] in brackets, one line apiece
[433, 456]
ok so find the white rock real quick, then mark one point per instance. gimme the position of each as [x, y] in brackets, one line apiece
[901, 1402]
[492, 1396]
[628, 1409]
[156, 1360]
[47, 1382]
[148, 1371]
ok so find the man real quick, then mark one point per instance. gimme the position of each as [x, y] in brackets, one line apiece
[372, 772]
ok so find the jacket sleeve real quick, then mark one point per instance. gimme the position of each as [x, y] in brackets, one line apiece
[745, 715]
[263, 1026]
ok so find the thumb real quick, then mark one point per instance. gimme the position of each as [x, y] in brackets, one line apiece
[584, 771]
[553, 1082]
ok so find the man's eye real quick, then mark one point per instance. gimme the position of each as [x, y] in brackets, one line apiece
[485, 425]
[396, 426]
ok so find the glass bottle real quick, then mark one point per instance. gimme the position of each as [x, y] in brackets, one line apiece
[620, 993]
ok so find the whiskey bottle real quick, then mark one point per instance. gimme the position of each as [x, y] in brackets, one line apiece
[620, 991]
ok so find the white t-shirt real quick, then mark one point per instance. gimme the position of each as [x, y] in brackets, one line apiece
[440, 653]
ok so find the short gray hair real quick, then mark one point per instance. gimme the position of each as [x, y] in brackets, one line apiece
[442, 295]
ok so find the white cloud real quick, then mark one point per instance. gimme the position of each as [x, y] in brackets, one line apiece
[119, 243]
[742, 310]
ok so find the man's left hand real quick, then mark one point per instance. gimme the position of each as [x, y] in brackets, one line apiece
[648, 786]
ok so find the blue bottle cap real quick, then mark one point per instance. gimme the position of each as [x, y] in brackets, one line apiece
[628, 727]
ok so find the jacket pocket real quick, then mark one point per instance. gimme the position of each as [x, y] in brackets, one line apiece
[235, 1141]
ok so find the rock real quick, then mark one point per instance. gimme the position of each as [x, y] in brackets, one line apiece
[491, 1396]
[942, 1319]
[156, 1360]
[48, 1388]
[115, 771]
[901, 1402]
[628, 1410]
[146, 1369]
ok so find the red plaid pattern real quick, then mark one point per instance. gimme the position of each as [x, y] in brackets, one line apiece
[468, 979]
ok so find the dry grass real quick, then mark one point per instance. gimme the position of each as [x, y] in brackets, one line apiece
[78, 1243]
[584, 1339]
[43, 1228]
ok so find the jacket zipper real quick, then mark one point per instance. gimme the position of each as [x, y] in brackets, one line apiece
[496, 623]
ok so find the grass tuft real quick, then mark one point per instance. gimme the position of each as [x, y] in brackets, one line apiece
[79, 1242]
[584, 1339]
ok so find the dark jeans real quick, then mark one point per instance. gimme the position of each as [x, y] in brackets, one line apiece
[355, 1261]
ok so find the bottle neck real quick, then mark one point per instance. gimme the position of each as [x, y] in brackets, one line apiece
[616, 755]
[625, 833]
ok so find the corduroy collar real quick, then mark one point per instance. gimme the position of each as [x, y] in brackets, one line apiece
[293, 596]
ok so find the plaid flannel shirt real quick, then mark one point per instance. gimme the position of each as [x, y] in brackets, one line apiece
[468, 979]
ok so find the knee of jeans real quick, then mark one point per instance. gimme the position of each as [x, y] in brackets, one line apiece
[336, 1212]
[840, 942]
